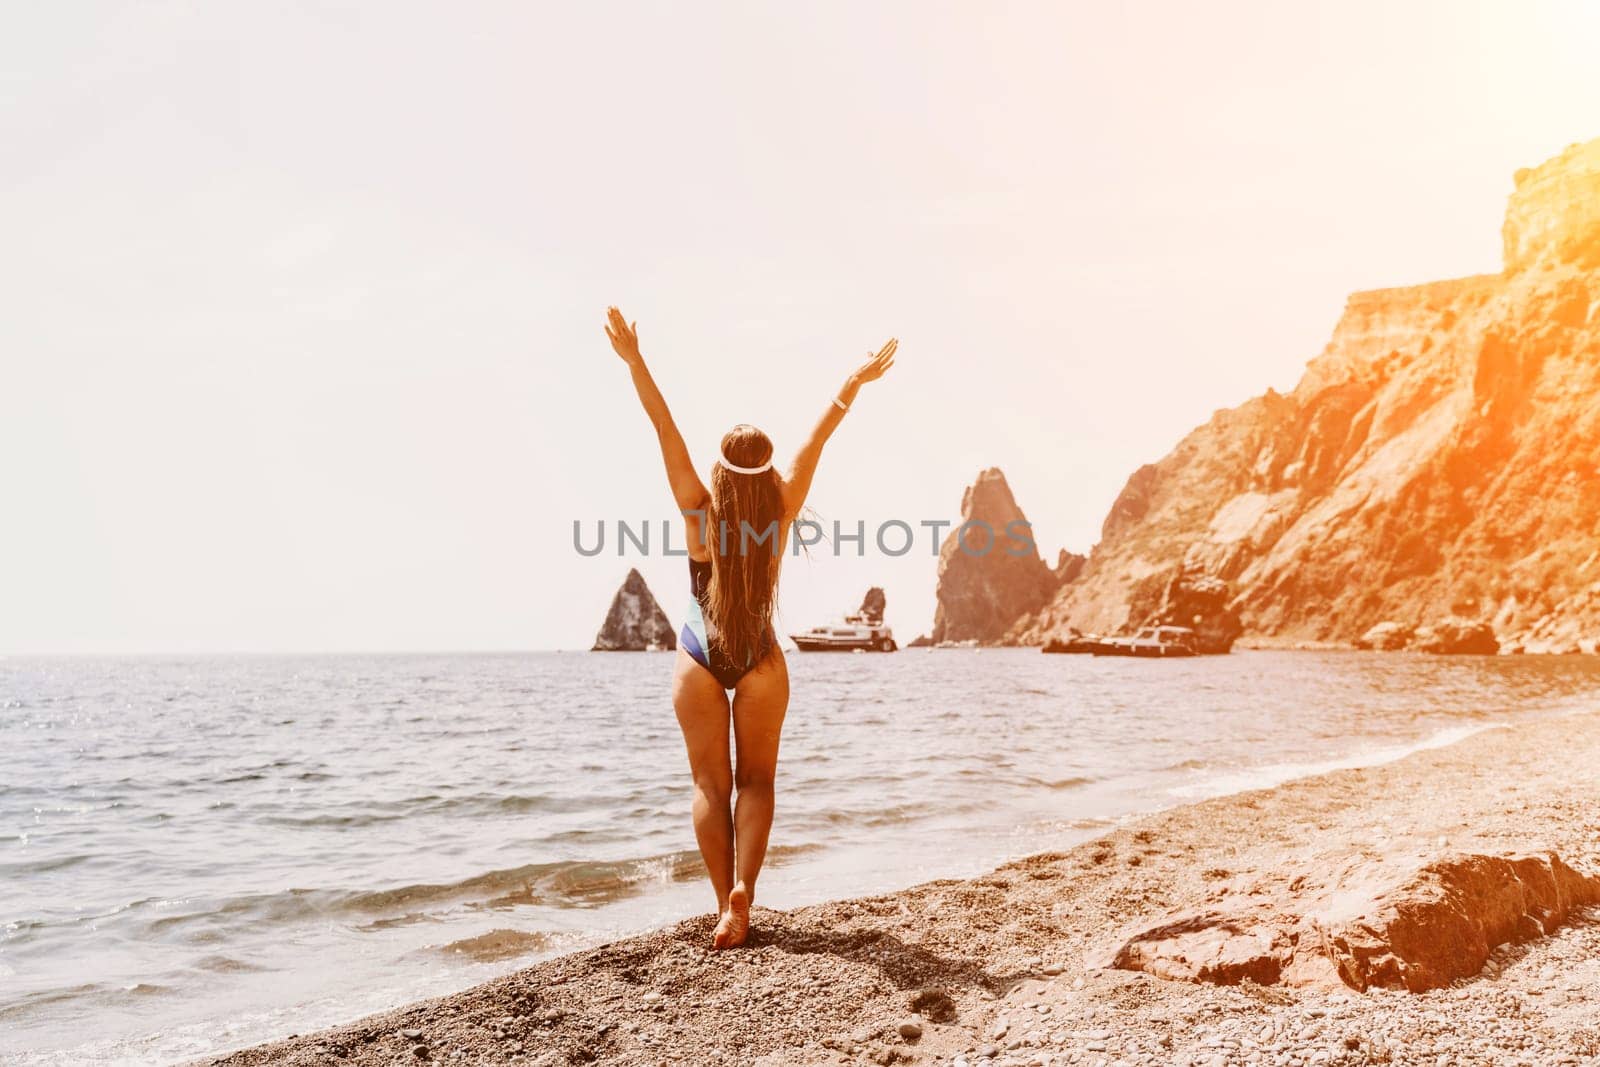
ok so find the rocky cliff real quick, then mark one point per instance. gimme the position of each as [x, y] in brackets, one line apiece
[990, 573]
[635, 622]
[1437, 460]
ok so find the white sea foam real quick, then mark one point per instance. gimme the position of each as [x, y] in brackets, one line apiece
[1265, 777]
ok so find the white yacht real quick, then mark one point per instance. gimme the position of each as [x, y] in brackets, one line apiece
[856, 633]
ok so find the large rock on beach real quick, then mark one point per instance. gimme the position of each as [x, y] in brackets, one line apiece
[1440, 457]
[1367, 922]
[635, 622]
[990, 572]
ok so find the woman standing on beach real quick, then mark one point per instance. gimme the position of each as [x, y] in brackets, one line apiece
[736, 533]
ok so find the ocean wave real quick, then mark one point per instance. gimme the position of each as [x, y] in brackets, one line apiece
[1272, 774]
[55, 863]
[61, 995]
[895, 814]
[496, 945]
[373, 813]
[218, 964]
[1072, 782]
[562, 884]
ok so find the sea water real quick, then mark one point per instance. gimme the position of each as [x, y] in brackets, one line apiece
[202, 853]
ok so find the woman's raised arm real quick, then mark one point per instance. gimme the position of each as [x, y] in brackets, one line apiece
[687, 488]
[798, 484]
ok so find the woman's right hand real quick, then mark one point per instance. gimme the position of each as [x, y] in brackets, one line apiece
[875, 366]
[624, 337]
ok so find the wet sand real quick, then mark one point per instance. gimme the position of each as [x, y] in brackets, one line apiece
[1006, 968]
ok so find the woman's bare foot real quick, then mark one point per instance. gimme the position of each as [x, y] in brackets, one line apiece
[734, 926]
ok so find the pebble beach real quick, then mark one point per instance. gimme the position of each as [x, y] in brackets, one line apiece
[1008, 969]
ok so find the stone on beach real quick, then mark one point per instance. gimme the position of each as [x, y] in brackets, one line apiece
[1375, 923]
[934, 1004]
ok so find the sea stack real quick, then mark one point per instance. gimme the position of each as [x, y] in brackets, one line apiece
[1439, 460]
[635, 622]
[990, 573]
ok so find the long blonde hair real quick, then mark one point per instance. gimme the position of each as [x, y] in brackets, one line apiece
[745, 535]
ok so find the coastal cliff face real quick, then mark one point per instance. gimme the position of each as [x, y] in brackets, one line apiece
[635, 622]
[998, 577]
[1437, 460]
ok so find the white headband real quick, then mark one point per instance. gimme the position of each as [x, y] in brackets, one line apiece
[735, 468]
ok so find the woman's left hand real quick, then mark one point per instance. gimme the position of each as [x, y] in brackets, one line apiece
[624, 338]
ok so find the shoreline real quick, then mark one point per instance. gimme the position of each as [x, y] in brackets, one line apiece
[948, 970]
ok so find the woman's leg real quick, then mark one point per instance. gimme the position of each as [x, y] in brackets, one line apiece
[759, 703]
[702, 707]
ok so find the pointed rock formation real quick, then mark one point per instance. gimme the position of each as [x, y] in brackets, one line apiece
[1440, 459]
[990, 573]
[1069, 565]
[873, 605]
[635, 622]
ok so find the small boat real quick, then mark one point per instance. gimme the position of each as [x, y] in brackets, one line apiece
[1074, 644]
[857, 633]
[1152, 642]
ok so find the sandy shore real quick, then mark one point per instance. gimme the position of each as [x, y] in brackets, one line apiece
[1006, 968]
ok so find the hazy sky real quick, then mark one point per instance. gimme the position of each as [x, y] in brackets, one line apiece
[302, 339]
